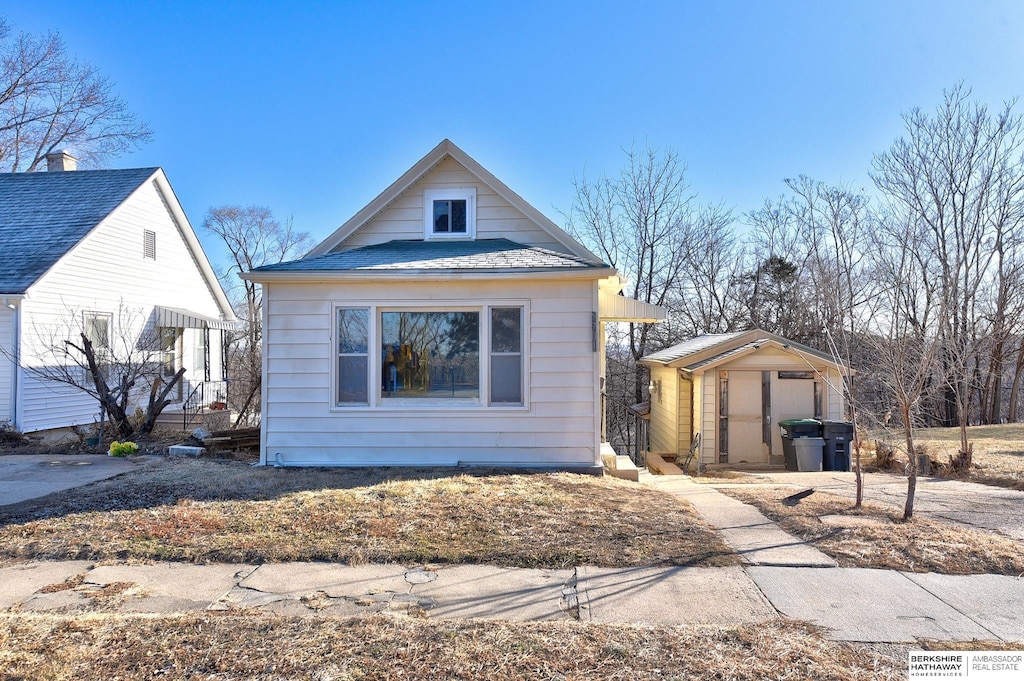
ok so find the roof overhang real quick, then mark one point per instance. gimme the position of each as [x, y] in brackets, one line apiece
[305, 276]
[186, 319]
[623, 309]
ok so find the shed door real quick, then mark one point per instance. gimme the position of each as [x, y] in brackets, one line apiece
[792, 398]
[746, 436]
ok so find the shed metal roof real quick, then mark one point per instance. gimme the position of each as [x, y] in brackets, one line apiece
[43, 215]
[692, 346]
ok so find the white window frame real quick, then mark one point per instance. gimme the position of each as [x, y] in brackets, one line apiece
[371, 338]
[482, 405]
[467, 194]
[521, 354]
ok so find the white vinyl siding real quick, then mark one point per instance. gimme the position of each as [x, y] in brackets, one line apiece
[558, 427]
[6, 364]
[100, 273]
[496, 218]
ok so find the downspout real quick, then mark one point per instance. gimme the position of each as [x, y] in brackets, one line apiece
[15, 413]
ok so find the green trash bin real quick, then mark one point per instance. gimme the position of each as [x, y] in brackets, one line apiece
[795, 429]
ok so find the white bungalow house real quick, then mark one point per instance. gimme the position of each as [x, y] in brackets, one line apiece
[732, 389]
[447, 323]
[86, 249]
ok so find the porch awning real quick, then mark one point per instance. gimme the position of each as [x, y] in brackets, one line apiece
[186, 319]
[615, 308]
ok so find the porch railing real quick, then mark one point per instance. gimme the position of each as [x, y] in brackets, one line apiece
[203, 396]
[628, 431]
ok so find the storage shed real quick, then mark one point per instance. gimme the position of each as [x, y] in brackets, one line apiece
[732, 389]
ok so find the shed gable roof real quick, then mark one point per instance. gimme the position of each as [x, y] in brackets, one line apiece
[44, 215]
[447, 149]
[709, 350]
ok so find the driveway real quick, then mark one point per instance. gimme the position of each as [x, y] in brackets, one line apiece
[967, 503]
[29, 476]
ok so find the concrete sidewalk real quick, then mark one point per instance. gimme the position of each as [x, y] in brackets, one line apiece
[970, 504]
[754, 537]
[649, 596]
[850, 604]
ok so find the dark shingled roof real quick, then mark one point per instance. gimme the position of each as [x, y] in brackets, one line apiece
[442, 255]
[43, 215]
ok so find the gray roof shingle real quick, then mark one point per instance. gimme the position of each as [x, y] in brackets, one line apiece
[43, 215]
[499, 255]
[692, 346]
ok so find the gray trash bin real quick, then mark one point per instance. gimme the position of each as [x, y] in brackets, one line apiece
[793, 429]
[808, 453]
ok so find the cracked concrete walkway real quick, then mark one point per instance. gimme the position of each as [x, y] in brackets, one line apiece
[652, 596]
[850, 604]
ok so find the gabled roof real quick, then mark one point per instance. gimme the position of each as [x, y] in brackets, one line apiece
[417, 257]
[447, 149]
[690, 347]
[710, 350]
[43, 215]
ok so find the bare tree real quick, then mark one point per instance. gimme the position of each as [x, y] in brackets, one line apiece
[639, 224]
[834, 222]
[705, 299]
[115, 358]
[959, 175]
[254, 238]
[49, 101]
[905, 326]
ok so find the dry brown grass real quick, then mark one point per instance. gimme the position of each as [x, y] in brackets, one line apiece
[998, 452]
[36, 647]
[204, 511]
[920, 545]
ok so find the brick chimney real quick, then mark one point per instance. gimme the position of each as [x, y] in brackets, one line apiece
[60, 161]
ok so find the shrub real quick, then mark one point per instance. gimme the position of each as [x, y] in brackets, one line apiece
[122, 448]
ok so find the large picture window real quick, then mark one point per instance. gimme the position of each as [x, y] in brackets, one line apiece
[430, 355]
[471, 357]
[353, 355]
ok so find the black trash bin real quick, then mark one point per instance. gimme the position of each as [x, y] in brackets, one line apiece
[838, 436]
[795, 429]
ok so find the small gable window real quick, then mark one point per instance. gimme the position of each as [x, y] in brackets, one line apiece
[449, 213]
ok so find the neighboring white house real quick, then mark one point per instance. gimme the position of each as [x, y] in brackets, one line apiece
[447, 323]
[733, 389]
[84, 249]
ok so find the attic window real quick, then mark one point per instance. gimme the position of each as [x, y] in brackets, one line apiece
[449, 213]
[148, 244]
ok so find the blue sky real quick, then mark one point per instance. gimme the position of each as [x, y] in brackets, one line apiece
[312, 108]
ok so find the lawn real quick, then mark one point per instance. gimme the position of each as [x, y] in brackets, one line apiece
[201, 510]
[998, 452]
[874, 536]
[213, 646]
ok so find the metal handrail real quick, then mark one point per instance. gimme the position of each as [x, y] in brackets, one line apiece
[197, 400]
